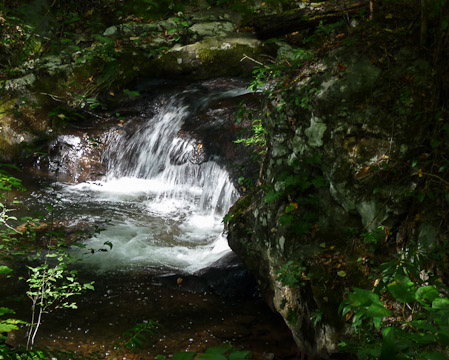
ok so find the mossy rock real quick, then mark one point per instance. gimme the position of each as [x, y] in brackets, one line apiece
[211, 58]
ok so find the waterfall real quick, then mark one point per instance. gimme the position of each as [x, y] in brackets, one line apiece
[164, 199]
[158, 152]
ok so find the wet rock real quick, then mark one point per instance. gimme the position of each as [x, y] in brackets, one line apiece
[74, 157]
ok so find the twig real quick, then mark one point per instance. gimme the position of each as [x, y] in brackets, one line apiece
[250, 58]
[54, 97]
[436, 177]
[3, 220]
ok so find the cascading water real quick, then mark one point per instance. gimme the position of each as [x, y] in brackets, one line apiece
[164, 199]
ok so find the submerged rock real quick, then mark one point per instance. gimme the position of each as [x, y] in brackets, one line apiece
[226, 277]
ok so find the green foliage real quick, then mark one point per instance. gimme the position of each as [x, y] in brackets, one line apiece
[18, 43]
[51, 285]
[8, 182]
[182, 30]
[292, 274]
[137, 337]
[299, 190]
[257, 138]
[131, 93]
[400, 318]
[373, 238]
[62, 116]
[225, 352]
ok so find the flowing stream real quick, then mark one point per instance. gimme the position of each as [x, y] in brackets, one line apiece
[158, 211]
[165, 201]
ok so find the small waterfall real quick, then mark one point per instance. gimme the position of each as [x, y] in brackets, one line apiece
[163, 197]
[157, 151]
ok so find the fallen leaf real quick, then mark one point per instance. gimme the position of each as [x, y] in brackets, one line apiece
[342, 273]
[341, 67]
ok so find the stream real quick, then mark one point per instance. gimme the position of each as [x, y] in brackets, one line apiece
[149, 193]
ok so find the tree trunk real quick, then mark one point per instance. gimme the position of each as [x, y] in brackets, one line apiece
[276, 25]
[424, 19]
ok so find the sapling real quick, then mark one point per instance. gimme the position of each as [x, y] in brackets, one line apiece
[50, 286]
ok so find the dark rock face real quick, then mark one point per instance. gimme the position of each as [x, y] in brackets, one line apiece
[365, 143]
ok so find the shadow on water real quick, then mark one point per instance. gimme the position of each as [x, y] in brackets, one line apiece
[192, 316]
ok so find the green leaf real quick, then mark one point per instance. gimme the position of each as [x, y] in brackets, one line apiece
[443, 335]
[216, 350]
[4, 310]
[7, 327]
[440, 304]
[432, 356]
[421, 338]
[131, 93]
[377, 321]
[421, 196]
[188, 355]
[428, 293]
[239, 355]
[435, 143]
[362, 297]
[4, 269]
[271, 196]
[102, 39]
[423, 325]
[108, 243]
[286, 219]
[301, 227]
[342, 273]
[89, 286]
[402, 289]
[377, 310]
[212, 356]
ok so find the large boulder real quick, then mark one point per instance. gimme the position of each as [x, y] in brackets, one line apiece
[342, 140]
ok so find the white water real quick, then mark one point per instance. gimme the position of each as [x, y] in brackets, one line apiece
[164, 202]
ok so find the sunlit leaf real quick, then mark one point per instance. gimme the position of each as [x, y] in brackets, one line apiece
[4, 269]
